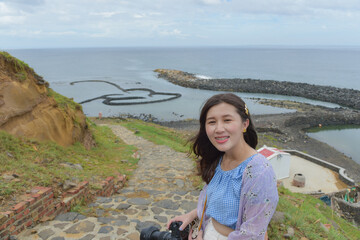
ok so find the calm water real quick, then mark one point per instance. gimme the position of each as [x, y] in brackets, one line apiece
[338, 140]
[133, 68]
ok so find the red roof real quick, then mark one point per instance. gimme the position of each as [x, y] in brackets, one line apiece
[266, 152]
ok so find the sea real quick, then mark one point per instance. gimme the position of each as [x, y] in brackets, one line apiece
[92, 75]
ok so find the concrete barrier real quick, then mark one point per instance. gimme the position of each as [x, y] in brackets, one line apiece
[333, 167]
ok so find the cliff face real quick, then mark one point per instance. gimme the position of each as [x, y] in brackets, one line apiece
[28, 107]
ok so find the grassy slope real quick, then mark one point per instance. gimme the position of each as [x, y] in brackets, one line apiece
[41, 163]
[303, 212]
[21, 67]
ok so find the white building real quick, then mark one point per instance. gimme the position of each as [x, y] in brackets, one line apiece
[279, 160]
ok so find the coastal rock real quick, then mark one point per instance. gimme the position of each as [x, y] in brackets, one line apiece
[342, 96]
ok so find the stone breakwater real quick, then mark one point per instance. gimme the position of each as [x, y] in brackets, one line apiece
[342, 96]
[119, 99]
[309, 116]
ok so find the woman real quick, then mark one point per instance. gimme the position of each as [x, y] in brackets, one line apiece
[240, 194]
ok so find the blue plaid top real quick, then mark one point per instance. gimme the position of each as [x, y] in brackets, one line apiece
[223, 194]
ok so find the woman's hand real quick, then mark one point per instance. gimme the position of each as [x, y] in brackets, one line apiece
[186, 219]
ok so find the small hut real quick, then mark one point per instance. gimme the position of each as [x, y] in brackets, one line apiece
[279, 160]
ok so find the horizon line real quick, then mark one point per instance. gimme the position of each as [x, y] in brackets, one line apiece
[274, 46]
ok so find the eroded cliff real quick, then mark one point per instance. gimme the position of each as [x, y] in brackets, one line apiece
[29, 108]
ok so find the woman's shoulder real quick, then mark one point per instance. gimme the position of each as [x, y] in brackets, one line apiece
[258, 160]
[258, 165]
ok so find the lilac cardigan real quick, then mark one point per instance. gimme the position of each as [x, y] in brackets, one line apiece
[258, 200]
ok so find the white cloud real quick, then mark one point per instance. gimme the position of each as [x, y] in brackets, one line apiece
[4, 9]
[136, 15]
[5, 20]
[293, 7]
[9, 15]
[141, 20]
[64, 33]
[211, 2]
[21, 33]
[174, 32]
[105, 14]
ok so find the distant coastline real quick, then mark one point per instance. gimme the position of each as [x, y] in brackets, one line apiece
[343, 96]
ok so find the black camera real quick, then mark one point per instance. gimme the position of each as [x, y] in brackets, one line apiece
[153, 233]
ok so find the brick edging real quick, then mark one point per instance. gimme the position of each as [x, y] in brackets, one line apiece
[41, 205]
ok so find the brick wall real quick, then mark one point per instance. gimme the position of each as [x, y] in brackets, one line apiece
[40, 205]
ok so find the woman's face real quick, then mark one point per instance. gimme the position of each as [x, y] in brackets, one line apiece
[224, 127]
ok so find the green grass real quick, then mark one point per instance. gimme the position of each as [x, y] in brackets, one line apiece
[268, 140]
[63, 102]
[21, 68]
[158, 134]
[305, 213]
[42, 163]
[19, 65]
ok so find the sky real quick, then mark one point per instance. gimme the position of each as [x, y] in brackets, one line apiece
[178, 23]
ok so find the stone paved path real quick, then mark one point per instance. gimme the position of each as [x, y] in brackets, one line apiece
[158, 190]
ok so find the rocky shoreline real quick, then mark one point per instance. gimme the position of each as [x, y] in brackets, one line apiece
[286, 130]
[342, 96]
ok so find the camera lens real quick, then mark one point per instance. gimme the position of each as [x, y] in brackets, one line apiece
[153, 233]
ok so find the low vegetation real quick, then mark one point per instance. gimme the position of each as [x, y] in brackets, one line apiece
[310, 218]
[27, 163]
[63, 101]
[21, 68]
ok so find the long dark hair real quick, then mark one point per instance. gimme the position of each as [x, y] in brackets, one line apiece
[208, 156]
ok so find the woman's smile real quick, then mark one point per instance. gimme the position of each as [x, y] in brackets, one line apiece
[222, 139]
